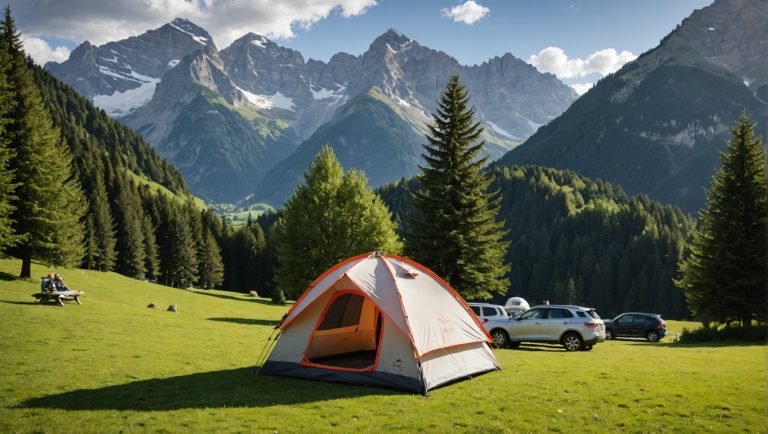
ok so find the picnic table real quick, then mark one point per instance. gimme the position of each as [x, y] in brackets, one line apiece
[59, 297]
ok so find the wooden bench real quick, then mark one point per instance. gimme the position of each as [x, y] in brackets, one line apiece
[59, 297]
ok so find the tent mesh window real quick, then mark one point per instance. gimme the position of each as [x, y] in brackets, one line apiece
[344, 312]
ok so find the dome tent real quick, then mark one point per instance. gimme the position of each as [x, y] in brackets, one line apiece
[381, 320]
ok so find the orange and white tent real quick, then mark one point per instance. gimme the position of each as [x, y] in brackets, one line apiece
[381, 320]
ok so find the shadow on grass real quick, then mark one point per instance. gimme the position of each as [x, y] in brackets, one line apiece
[232, 297]
[28, 303]
[231, 388]
[537, 347]
[8, 277]
[247, 321]
[711, 344]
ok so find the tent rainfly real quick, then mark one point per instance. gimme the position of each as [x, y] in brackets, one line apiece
[381, 320]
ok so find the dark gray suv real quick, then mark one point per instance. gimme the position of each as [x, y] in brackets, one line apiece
[574, 327]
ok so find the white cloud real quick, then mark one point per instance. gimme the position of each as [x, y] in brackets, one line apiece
[603, 62]
[42, 52]
[100, 21]
[468, 12]
[582, 88]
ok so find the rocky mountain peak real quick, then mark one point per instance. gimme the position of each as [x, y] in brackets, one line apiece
[732, 34]
[392, 40]
[255, 39]
[85, 52]
[187, 27]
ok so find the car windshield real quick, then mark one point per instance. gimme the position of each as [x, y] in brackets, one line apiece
[533, 314]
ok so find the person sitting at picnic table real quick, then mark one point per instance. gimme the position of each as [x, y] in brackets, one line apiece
[48, 284]
[58, 282]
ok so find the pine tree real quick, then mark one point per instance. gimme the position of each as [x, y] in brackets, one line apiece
[332, 216]
[100, 229]
[457, 233]
[180, 266]
[210, 268]
[130, 233]
[724, 277]
[7, 186]
[151, 258]
[50, 203]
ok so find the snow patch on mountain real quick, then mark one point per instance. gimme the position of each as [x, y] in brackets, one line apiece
[257, 100]
[267, 102]
[323, 93]
[179, 25]
[259, 41]
[123, 103]
[281, 101]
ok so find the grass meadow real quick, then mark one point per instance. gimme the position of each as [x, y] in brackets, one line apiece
[114, 365]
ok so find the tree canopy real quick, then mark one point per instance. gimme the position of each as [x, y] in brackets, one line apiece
[333, 215]
[456, 232]
[724, 277]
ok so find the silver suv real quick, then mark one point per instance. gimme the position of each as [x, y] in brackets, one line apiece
[488, 312]
[574, 327]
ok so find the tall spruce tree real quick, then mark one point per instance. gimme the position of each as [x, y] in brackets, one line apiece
[100, 229]
[210, 267]
[456, 233]
[50, 203]
[7, 186]
[130, 233]
[151, 257]
[180, 265]
[332, 216]
[724, 277]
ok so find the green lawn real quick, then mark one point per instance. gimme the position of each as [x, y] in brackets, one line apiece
[113, 365]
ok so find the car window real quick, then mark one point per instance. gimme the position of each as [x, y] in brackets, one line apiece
[475, 309]
[581, 314]
[559, 314]
[594, 314]
[626, 320]
[533, 314]
[489, 311]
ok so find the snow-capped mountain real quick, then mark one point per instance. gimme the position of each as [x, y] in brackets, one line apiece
[264, 100]
[121, 76]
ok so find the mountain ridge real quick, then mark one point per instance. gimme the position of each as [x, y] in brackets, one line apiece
[656, 125]
[271, 92]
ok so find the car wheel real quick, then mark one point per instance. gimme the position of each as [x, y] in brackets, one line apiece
[608, 334]
[586, 348]
[572, 341]
[500, 338]
[652, 336]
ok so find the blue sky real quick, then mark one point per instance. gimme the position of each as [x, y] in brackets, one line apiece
[515, 26]
[587, 38]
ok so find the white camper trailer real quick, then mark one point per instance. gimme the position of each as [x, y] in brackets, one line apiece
[515, 306]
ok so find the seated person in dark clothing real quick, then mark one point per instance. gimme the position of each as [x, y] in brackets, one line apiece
[48, 284]
[58, 282]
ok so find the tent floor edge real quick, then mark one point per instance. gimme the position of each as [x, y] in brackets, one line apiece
[465, 377]
[383, 380]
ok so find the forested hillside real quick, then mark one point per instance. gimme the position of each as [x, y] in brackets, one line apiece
[574, 240]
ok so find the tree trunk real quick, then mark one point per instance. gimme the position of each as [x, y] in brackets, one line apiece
[26, 265]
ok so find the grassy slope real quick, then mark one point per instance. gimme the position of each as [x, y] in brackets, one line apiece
[155, 188]
[124, 367]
